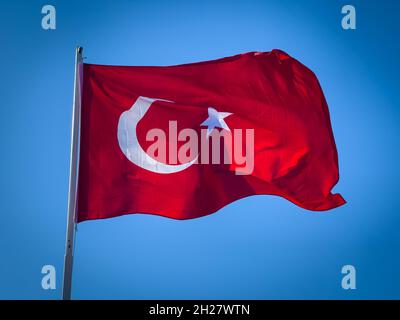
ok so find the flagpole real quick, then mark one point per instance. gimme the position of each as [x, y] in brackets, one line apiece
[73, 175]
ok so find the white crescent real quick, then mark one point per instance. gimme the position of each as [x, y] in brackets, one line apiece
[130, 146]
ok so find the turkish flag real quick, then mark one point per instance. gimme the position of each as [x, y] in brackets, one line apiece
[137, 122]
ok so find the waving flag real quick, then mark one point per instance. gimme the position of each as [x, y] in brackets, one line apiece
[184, 141]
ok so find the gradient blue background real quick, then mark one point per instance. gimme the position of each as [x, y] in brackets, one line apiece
[261, 247]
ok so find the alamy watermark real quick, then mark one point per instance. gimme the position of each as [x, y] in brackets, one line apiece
[233, 147]
[210, 142]
[349, 18]
[349, 279]
[49, 278]
[49, 18]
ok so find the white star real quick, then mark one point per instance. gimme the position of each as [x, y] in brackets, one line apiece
[215, 120]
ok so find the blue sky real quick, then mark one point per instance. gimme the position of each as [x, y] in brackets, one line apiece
[262, 247]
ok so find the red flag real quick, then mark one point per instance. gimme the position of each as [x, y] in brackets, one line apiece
[184, 141]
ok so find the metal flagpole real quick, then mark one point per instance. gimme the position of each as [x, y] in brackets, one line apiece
[73, 174]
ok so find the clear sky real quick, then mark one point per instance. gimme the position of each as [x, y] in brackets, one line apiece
[261, 247]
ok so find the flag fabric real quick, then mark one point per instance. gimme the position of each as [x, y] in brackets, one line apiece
[266, 110]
